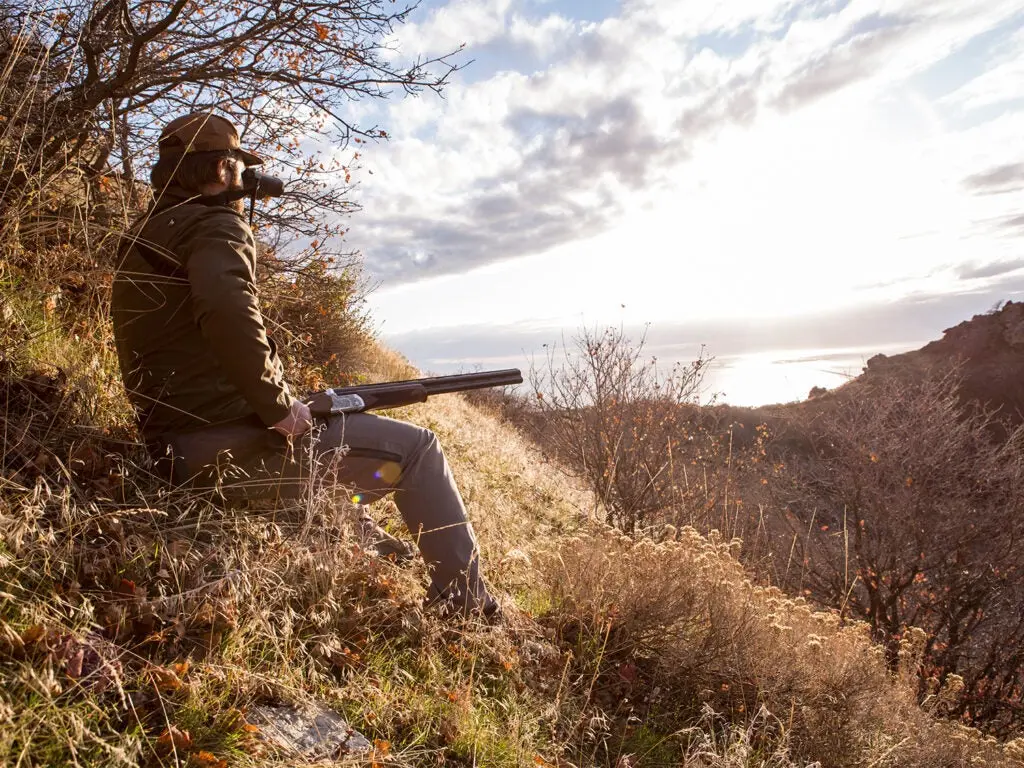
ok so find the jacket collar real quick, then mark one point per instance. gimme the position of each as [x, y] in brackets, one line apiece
[173, 196]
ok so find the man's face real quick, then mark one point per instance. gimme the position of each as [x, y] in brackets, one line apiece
[232, 175]
[234, 171]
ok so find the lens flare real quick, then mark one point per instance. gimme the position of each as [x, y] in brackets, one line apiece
[357, 499]
[389, 472]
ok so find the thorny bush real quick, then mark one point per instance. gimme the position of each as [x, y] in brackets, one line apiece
[903, 509]
[615, 417]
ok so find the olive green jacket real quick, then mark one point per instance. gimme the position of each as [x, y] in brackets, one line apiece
[190, 336]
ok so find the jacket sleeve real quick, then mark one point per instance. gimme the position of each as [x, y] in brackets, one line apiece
[220, 254]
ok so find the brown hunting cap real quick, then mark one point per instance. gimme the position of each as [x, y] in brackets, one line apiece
[203, 132]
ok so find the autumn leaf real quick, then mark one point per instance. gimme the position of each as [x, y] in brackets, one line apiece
[165, 679]
[174, 740]
[74, 663]
[322, 32]
[32, 634]
[206, 759]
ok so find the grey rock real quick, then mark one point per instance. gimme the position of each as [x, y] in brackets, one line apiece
[314, 732]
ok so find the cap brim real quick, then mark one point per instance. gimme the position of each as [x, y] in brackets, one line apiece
[249, 158]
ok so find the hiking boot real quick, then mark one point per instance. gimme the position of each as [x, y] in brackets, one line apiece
[375, 538]
[452, 606]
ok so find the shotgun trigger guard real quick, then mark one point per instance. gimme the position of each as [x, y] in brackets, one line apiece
[345, 403]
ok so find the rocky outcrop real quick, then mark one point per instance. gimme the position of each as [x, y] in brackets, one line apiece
[990, 349]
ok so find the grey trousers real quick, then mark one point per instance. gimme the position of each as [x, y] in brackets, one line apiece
[369, 455]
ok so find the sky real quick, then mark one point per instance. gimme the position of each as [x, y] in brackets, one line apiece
[792, 187]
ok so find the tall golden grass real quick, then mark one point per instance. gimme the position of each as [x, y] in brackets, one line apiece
[129, 610]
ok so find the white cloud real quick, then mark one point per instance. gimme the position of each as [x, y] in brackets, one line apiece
[873, 44]
[1000, 85]
[691, 19]
[810, 142]
[699, 160]
[458, 22]
[542, 36]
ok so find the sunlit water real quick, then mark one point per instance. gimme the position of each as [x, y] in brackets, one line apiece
[783, 376]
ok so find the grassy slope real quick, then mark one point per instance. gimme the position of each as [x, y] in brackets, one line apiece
[130, 617]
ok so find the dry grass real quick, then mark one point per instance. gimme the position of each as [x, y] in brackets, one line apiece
[517, 499]
[668, 632]
[126, 610]
[616, 652]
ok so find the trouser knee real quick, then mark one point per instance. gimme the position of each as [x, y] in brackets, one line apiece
[426, 453]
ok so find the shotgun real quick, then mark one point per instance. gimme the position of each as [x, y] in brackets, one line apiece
[369, 397]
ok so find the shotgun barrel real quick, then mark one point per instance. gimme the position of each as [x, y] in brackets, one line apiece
[392, 394]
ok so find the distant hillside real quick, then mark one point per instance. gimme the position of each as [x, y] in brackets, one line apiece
[988, 351]
[989, 348]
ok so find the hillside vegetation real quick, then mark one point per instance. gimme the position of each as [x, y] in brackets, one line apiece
[140, 626]
[897, 499]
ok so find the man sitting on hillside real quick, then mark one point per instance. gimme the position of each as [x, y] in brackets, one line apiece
[207, 383]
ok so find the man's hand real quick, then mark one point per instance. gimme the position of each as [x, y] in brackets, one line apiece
[297, 422]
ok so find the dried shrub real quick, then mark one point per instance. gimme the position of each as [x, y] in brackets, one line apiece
[615, 418]
[676, 628]
[904, 510]
[314, 309]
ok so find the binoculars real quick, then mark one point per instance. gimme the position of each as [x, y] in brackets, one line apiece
[262, 184]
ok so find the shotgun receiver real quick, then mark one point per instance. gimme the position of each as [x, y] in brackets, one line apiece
[369, 397]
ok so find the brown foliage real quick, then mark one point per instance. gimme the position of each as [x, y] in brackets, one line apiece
[895, 501]
[664, 632]
[89, 85]
[905, 512]
[313, 308]
[615, 417]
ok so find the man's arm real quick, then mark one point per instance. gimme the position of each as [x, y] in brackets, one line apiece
[219, 256]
